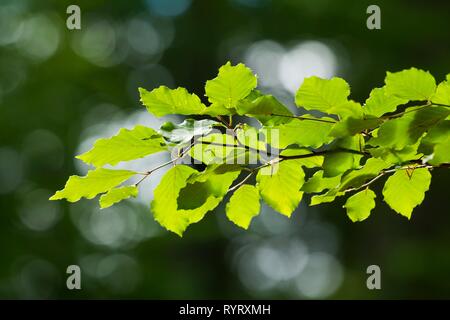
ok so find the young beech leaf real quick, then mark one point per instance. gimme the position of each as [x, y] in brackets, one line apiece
[328, 96]
[442, 94]
[352, 126]
[177, 201]
[116, 195]
[356, 178]
[406, 130]
[309, 132]
[280, 185]
[380, 103]
[233, 83]
[317, 183]
[163, 101]
[218, 148]
[308, 162]
[360, 204]
[126, 145]
[405, 190]
[412, 84]
[337, 163]
[95, 182]
[265, 108]
[243, 205]
[185, 131]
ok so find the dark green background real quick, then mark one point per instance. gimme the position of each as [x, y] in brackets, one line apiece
[51, 97]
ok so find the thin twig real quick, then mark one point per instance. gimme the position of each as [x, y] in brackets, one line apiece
[301, 118]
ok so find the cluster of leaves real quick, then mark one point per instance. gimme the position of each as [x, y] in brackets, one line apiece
[336, 148]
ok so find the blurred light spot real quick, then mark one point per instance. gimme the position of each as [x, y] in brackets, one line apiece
[37, 279]
[264, 58]
[11, 24]
[120, 226]
[149, 77]
[11, 170]
[283, 260]
[321, 277]
[99, 44]
[40, 37]
[142, 37]
[267, 264]
[37, 213]
[251, 3]
[170, 8]
[310, 58]
[278, 68]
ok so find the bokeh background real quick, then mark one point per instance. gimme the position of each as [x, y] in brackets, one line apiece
[61, 89]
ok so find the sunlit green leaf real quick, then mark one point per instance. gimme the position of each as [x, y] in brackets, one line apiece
[163, 101]
[405, 190]
[328, 96]
[280, 185]
[412, 84]
[185, 131]
[231, 85]
[95, 182]
[126, 145]
[360, 204]
[117, 194]
[380, 103]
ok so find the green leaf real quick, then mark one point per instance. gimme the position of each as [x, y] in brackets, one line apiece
[249, 136]
[185, 131]
[308, 162]
[328, 196]
[436, 143]
[352, 126]
[184, 195]
[305, 133]
[117, 194]
[360, 204]
[217, 109]
[393, 156]
[280, 185]
[164, 205]
[231, 85]
[262, 108]
[412, 84]
[317, 183]
[406, 130]
[96, 181]
[442, 94]
[126, 145]
[328, 96]
[243, 205]
[356, 178]
[218, 148]
[380, 103]
[163, 101]
[337, 163]
[405, 190]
